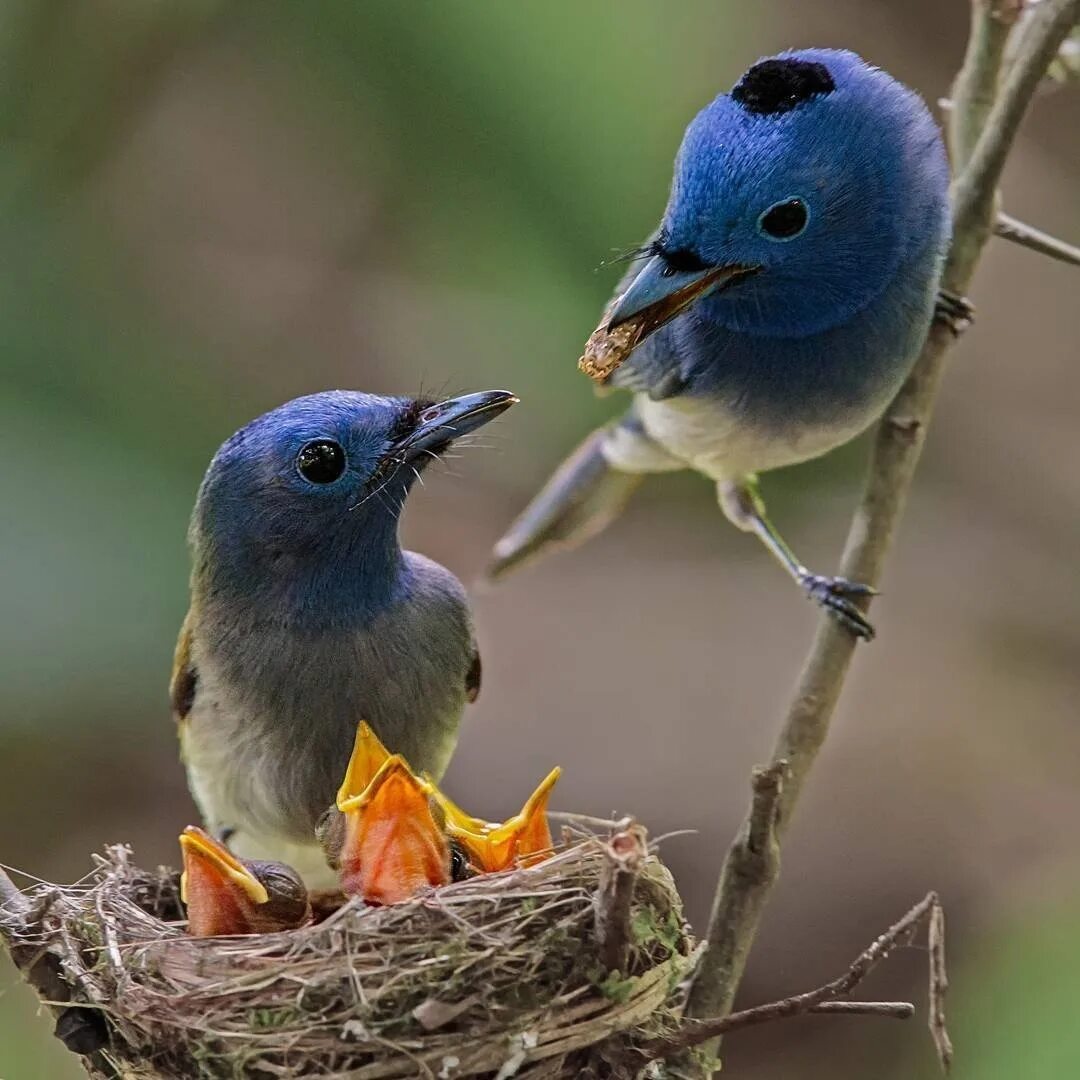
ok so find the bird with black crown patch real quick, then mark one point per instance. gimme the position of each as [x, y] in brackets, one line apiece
[788, 290]
[307, 616]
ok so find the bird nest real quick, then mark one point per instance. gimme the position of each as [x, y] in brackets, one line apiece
[559, 969]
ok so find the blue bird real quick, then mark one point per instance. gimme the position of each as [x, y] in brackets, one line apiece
[307, 617]
[787, 292]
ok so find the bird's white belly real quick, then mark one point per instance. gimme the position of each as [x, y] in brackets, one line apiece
[234, 791]
[720, 443]
[209, 772]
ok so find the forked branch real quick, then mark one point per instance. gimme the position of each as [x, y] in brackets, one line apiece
[832, 996]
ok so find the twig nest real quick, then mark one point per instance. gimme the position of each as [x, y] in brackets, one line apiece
[498, 976]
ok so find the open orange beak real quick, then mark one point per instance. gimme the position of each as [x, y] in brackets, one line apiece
[368, 757]
[522, 839]
[392, 848]
[220, 892]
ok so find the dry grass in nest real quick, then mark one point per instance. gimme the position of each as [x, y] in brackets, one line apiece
[498, 976]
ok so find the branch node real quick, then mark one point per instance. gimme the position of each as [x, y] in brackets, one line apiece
[908, 427]
[626, 853]
[766, 787]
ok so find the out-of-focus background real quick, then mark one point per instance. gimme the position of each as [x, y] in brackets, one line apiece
[208, 208]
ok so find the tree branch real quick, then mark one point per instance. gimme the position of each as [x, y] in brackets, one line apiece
[740, 897]
[826, 998]
[1008, 228]
[1040, 37]
[748, 873]
[975, 87]
[939, 984]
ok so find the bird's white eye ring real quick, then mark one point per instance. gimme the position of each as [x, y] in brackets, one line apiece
[785, 219]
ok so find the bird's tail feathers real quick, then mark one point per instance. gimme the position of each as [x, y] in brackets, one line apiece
[586, 493]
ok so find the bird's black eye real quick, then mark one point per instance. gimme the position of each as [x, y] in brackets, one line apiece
[460, 868]
[784, 220]
[321, 461]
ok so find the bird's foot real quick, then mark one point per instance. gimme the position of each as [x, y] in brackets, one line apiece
[837, 596]
[955, 312]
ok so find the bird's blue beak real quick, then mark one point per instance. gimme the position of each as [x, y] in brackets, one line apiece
[439, 425]
[659, 292]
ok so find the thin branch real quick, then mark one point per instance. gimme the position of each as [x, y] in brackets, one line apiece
[975, 87]
[1009, 228]
[827, 998]
[740, 897]
[939, 984]
[897, 1010]
[626, 854]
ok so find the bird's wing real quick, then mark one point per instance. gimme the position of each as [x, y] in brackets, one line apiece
[473, 676]
[185, 678]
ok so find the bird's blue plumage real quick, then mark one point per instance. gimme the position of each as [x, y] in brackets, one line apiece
[265, 537]
[307, 616]
[867, 160]
[787, 290]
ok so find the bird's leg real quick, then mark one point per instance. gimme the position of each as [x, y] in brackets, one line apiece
[742, 503]
[956, 312]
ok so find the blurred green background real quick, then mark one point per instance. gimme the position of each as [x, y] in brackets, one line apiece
[208, 208]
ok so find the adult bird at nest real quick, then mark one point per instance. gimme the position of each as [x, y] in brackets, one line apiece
[306, 614]
[783, 300]
[227, 895]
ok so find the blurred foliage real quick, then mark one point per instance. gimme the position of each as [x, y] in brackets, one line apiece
[1013, 1008]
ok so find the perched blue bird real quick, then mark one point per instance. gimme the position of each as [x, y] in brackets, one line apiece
[307, 617]
[787, 292]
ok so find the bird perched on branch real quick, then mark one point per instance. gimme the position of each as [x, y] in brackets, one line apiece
[782, 301]
[225, 895]
[306, 615]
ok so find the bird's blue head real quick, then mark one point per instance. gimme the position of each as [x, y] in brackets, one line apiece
[301, 506]
[796, 198]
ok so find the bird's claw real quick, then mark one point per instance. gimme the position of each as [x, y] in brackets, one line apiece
[837, 595]
[955, 312]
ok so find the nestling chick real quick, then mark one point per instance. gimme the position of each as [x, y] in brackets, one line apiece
[492, 846]
[784, 298]
[391, 834]
[381, 836]
[307, 615]
[226, 895]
